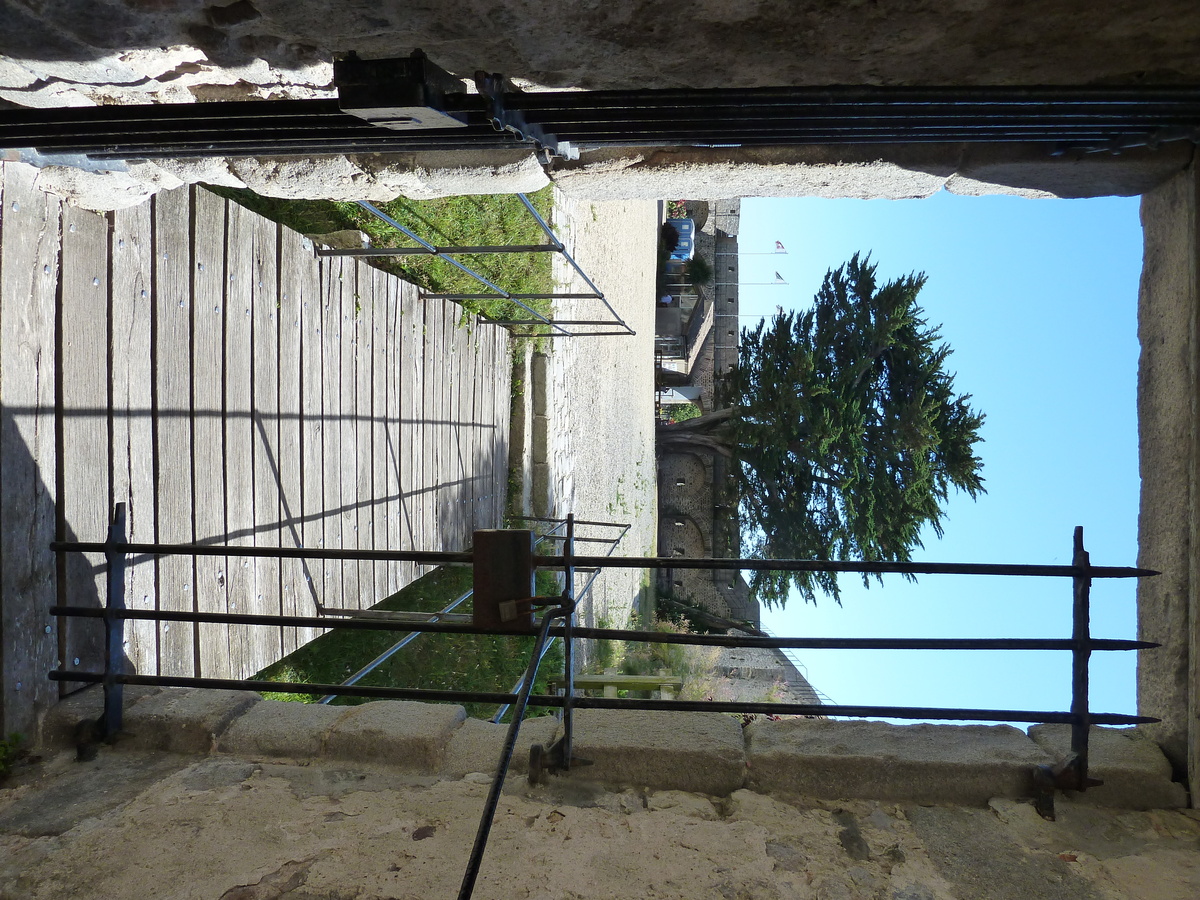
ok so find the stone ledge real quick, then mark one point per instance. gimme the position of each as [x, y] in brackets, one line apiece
[1135, 773]
[699, 752]
[400, 733]
[687, 751]
[183, 720]
[476, 746]
[955, 764]
[278, 729]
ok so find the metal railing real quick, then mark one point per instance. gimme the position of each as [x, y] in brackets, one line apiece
[557, 327]
[558, 621]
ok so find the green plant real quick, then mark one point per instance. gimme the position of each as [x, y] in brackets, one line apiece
[10, 752]
[699, 270]
[479, 220]
[845, 431]
[681, 412]
[464, 662]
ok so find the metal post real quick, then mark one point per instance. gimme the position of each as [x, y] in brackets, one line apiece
[114, 625]
[506, 754]
[1080, 655]
[568, 641]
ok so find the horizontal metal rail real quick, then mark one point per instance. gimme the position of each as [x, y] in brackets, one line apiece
[611, 634]
[464, 557]
[425, 248]
[380, 214]
[1091, 117]
[554, 700]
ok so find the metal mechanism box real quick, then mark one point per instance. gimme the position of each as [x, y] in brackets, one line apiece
[504, 579]
[402, 94]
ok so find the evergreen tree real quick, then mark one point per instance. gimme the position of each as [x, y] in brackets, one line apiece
[844, 430]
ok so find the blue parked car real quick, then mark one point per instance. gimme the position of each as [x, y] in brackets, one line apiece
[686, 229]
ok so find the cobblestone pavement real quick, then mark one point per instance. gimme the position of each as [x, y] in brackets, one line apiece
[600, 391]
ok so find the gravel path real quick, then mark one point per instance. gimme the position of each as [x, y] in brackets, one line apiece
[600, 391]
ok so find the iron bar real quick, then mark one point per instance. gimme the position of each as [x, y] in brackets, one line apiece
[454, 262]
[550, 700]
[511, 297]
[649, 637]
[114, 625]
[811, 565]
[505, 707]
[1099, 115]
[429, 557]
[569, 603]
[510, 742]
[436, 557]
[569, 258]
[1080, 656]
[437, 251]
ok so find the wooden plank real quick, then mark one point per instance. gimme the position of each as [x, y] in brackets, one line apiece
[208, 432]
[411, 350]
[291, 286]
[501, 387]
[29, 244]
[392, 431]
[331, 392]
[382, 506]
[312, 427]
[347, 511]
[131, 250]
[431, 385]
[479, 485]
[172, 294]
[240, 583]
[266, 644]
[84, 490]
[364, 367]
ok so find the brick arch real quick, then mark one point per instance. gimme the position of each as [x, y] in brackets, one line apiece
[679, 531]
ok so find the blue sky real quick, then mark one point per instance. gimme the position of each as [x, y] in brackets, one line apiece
[1038, 298]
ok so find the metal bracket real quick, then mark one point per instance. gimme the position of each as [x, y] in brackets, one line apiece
[493, 87]
[551, 759]
[1066, 776]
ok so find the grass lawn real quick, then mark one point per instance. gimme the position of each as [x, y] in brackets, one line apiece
[464, 662]
[477, 221]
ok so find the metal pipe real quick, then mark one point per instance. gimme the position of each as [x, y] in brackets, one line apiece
[648, 637]
[547, 700]
[1080, 656]
[454, 262]
[436, 251]
[114, 625]
[625, 562]
[506, 754]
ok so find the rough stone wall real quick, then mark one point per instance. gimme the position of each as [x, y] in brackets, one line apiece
[58, 53]
[383, 799]
[631, 44]
[1168, 605]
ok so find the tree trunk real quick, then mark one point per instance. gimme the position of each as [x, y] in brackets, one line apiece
[693, 442]
[708, 433]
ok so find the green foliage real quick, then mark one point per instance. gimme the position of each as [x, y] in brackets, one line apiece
[848, 430]
[434, 661]
[844, 428]
[486, 220]
[699, 270]
[10, 752]
[681, 412]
